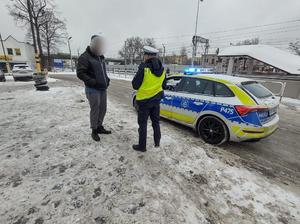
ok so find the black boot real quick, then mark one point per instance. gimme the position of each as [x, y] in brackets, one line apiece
[95, 136]
[157, 145]
[138, 148]
[102, 130]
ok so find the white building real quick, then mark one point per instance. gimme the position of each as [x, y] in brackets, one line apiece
[258, 59]
[17, 52]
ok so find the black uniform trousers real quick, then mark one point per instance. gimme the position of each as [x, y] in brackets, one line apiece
[144, 111]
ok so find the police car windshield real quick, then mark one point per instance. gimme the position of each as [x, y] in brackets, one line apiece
[257, 89]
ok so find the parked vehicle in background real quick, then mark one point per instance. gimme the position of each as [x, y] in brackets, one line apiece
[2, 76]
[22, 72]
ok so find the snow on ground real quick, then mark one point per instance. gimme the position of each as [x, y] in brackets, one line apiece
[289, 102]
[125, 77]
[52, 172]
[10, 82]
[120, 76]
[62, 73]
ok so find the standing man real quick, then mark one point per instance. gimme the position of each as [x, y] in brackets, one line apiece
[149, 82]
[91, 69]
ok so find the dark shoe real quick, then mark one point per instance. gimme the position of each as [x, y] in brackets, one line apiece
[95, 136]
[102, 130]
[157, 145]
[138, 148]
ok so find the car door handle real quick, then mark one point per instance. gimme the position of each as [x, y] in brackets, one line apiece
[197, 103]
[168, 98]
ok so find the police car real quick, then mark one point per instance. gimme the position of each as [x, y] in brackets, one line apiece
[220, 107]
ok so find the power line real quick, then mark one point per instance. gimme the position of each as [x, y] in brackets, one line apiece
[233, 29]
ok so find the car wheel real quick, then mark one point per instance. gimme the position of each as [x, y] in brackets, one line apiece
[212, 130]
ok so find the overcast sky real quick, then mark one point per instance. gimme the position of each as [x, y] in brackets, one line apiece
[171, 22]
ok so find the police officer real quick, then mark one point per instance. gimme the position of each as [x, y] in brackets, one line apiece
[149, 82]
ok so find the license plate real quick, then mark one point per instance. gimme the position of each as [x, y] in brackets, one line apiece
[263, 115]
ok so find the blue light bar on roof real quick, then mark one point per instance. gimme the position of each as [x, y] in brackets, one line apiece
[194, 71]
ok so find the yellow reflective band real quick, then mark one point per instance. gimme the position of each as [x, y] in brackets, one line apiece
[184, 118]
[266, 131]
[243, 97]
[215, 79]
[165, 113]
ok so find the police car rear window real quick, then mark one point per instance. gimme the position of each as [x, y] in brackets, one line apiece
[256, 89]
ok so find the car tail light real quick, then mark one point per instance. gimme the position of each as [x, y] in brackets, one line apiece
[243, 110]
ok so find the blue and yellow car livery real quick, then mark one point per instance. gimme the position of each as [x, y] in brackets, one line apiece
[221, 107]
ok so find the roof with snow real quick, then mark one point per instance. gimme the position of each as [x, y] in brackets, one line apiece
[272, 56]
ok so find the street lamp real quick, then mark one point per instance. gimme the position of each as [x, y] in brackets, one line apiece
[71, 58]
[196, 29]
[164, 53]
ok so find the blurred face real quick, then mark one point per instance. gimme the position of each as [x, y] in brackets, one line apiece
[98, 46]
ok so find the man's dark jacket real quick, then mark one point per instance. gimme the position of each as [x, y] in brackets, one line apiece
[156, 67]
[91, 69]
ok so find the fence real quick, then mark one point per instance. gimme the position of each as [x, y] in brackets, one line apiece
[288, 86]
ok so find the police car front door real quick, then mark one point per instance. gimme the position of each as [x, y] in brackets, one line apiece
[166, 105]
[192, 96]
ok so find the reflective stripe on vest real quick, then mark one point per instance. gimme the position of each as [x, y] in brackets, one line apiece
[151, 86]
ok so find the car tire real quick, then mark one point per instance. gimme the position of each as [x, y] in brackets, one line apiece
[15, 79]
[213, 130]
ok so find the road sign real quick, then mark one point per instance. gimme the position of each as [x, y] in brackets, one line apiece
[58, 63]
[198, 39]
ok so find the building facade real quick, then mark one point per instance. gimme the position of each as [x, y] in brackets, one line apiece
[258, 60]
[17, 52]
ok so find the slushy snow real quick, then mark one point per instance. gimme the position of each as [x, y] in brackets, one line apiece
[52, 172]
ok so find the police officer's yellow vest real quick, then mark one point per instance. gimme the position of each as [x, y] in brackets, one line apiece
[151, 86]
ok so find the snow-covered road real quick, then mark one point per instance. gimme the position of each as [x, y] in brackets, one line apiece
[51, 171]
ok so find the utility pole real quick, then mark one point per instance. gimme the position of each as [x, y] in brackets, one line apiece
[71, 58]
[164, 53]
[5, 58]
[37, 56]
[194, 39]
[205, 52]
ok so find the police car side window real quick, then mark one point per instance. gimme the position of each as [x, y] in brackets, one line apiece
[172, 83]
[208, 87]
[222, 91]
[196, 86]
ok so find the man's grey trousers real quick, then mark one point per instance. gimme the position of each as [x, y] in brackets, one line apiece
[98, 105]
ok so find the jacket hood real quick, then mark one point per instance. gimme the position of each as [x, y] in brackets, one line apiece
[155, 66]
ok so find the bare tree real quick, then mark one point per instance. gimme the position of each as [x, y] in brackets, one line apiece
[295, 47]
[149, 42]
[133, 48]
[253, 41]
[53, 33]
[25, 11]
